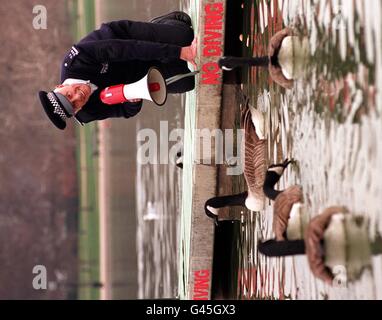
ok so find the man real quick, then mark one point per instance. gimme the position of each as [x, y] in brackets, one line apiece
[120, 52]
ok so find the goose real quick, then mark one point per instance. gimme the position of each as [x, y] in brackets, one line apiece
[323, 251]
[179, 159]
[286, 60]
[289, 218]
[336, 244]
[346, 240]
[253, 150]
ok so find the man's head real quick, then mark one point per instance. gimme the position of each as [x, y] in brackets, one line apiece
[64, 102]
[78, 94]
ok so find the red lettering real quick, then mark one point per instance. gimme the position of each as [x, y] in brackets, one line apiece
[210, 73]
[214, 8]
[210, 51]
[212, 27]
[212, 41]
[201, 284]
[210, 35]
[214, 20]
[202, 274]
[201, 297]
[216, 43]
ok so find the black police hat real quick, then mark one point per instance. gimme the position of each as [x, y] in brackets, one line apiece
[57, 107]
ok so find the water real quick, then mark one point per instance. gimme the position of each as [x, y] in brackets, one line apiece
[158, 246]
[158, 195]
[330, 123]
[142, 205]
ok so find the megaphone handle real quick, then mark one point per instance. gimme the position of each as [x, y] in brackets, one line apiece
[180, 76]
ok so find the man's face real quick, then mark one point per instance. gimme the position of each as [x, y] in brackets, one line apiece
[77, 94]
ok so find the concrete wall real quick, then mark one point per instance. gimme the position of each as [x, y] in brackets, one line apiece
[211, 47]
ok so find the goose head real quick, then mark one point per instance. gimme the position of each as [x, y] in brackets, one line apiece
[179, 160]
[280, 167]
[212, 205]
[272, 176]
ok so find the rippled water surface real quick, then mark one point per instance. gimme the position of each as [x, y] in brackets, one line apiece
[157, 231]
[330, 123]
[158, 215]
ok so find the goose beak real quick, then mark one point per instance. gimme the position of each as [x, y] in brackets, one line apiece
[287, 162]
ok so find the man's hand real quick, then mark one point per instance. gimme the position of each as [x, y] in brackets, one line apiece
[189, 53]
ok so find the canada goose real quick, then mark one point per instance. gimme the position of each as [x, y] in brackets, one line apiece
[253, 152]
[336, 244]
[288, 207]
[286, 60]
[179, 160]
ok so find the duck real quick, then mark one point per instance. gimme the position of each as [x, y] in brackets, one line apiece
[253, 150]
[289, 216]
[287, 58]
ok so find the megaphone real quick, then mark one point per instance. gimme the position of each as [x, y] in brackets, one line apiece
[151, 87]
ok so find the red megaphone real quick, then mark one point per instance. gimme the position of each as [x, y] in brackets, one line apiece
[151, 87]
[113, 94]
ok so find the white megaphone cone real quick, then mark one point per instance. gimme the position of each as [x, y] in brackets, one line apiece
[151, 87]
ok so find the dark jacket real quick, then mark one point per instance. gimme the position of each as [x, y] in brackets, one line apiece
[115, 54]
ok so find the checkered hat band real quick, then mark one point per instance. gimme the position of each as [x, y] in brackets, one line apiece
[57, 108]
